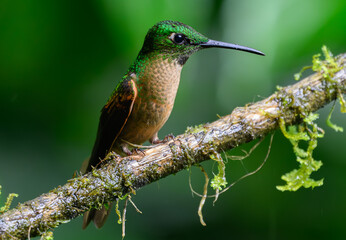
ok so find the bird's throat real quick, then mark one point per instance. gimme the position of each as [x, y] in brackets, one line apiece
[159, 79]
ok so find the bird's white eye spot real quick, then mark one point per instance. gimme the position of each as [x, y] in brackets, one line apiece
[178, 38]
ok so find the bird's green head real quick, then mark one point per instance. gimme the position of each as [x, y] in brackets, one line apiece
[178, 41]
[173, 39]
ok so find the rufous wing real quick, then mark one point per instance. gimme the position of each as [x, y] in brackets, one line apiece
[113, 118]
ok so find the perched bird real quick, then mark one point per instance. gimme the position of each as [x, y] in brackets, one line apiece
[143, 100]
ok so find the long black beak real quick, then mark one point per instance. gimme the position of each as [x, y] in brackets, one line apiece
[217, 44]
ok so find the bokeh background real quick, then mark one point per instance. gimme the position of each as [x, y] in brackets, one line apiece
[60, 60]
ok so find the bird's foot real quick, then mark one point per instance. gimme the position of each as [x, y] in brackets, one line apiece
[167, 138]
[137, 151]
[126, 149]
[134, 150]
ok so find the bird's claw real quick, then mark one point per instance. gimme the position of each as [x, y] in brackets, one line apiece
[167, 138]
[137, 151]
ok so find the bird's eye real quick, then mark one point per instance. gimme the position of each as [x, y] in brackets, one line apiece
[179, 38]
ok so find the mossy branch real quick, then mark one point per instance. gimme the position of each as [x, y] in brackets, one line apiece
[121, 176]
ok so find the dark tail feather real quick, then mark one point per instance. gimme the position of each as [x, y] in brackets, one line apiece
[101, 215]
[88, 216]
[98, 216]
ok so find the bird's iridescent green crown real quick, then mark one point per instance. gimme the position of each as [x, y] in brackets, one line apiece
[173, 38]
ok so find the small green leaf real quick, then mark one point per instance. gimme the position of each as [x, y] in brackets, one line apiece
[8, 202]
[311, 118]
[117, 211]
[297, 76]
[219, 181]
[47, 236]
[332, 125]
[342, 103]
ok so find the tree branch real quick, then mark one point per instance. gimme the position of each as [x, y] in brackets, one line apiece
[119, 176]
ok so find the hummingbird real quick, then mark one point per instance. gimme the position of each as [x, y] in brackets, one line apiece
[143, 100]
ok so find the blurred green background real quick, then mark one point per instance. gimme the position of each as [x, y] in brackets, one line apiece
[60, 60]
